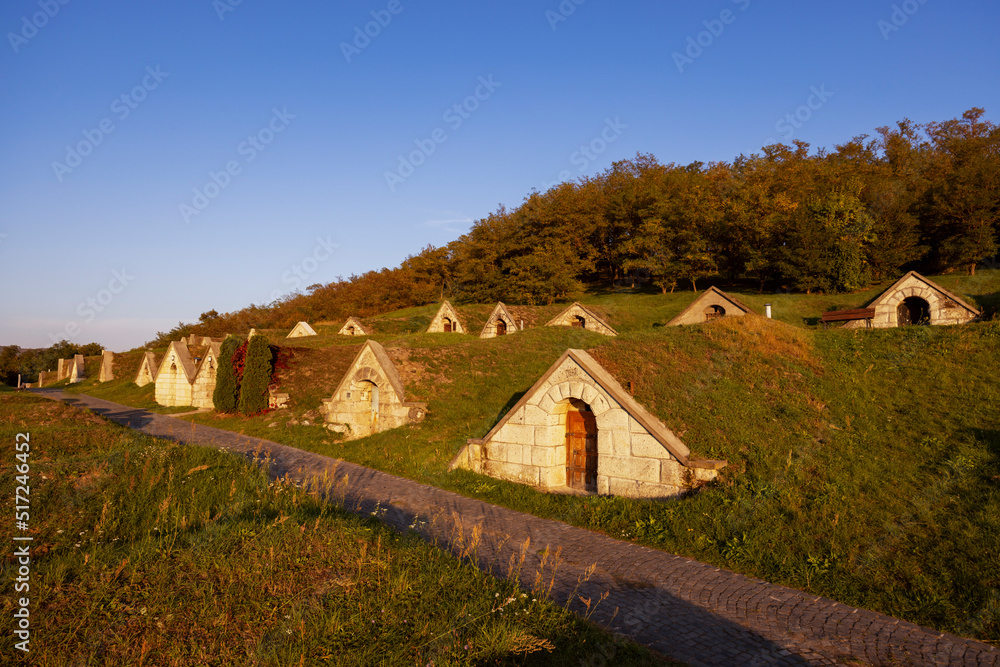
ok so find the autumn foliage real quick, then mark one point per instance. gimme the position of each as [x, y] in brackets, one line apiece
[915, 196]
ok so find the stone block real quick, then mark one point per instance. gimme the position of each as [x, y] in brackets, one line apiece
[622, 443]
[634, 426]
[589, 394]
[553, 476]
[576, 389]
[546, 404]
[605, 443]
[704, 475]
[554, 394]
[672, 473]
[548, 436]
[646, 446]
[603, 487]
[630, 489]
[519, 434]
[543, 457]
[643, 470]
[600, 405]
[517, 417]
[534, 415]
[616, 418]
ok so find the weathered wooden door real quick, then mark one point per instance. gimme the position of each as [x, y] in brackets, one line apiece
[581, 450]
[447, 325]
[501, 328]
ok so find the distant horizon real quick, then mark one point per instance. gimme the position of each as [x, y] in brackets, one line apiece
[164, 161]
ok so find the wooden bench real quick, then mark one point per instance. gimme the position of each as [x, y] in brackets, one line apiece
[867, 314]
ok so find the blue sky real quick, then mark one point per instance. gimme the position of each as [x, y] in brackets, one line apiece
[162, 159]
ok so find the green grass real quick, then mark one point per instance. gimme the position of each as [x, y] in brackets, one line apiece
[151, 553]
[863, 465]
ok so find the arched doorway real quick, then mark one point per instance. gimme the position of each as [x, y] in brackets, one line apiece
[501, 328]
[913, 310]
[714, 313]
[350, 331]
[579, 322]
[447, 325]
[368, 395]
[581, 447]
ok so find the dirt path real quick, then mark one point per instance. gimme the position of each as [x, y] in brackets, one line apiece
[694, 612]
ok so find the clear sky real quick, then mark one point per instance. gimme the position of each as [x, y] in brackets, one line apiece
[160, 159]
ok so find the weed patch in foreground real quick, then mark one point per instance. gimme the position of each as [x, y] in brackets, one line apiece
[147, 552]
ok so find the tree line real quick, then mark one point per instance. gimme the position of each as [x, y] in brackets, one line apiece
[920, 196]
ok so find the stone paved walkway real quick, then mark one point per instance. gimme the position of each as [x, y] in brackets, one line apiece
[694, 612]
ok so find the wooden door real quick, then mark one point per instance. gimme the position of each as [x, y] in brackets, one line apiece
[581, 450]
[501, 328]
[579, 322]
[447, 325]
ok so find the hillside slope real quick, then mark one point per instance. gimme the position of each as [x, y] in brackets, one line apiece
[863, 465]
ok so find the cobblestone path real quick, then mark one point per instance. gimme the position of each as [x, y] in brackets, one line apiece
[694, 612]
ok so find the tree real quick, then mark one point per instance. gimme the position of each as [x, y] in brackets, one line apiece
[9, 356]
[827, 250]
[256, 376]
[227, 388]
[963, 201]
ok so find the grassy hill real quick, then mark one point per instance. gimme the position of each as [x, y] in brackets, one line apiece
[149, 553]
[863, 465]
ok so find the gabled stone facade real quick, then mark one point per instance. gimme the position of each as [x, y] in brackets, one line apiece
[301, 330]
[578, 315]
[107, 372]
[147, 370]
[446, 320]
[578, 428]
[174, 376]
[76, 367]
[353, 328]
[499, 323]
[712, 304]
[370, 398]
[203, 386]
[917, 300]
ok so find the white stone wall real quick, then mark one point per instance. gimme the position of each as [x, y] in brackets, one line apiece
[943, 310]
[568, 319]
[490, 330]
[350, 411]
[203, 387]
[107, 366]
[530, 447]
[145, 374]
[172, 386]
[437, 324]
[697, 314]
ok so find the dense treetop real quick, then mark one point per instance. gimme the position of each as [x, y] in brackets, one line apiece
[911, 196]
